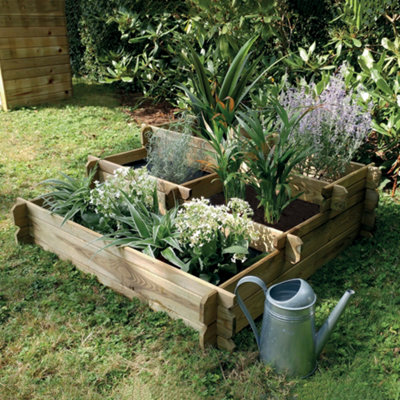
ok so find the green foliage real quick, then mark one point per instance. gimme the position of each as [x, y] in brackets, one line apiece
[217, 102]
[70, 197]
[229, 156]
[148, 56]
[272, 158]
[143, 229]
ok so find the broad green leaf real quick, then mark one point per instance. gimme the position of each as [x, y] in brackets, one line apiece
[303, 54]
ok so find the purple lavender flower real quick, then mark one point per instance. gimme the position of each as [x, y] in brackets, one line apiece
[336, 125]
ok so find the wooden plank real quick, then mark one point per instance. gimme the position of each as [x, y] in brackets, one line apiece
[374, 175]
[346, 181]
[266, 269]
[19, 43]
[371, 199]
[226, 322]
[303, 269]
[267, 238]
[29, 21]
[29, 52]
[26, 93]
[151, 286]
[35, 62]
[37, 81]
[43, 99]
[205, 186]
[32, 7]
[334, 227]
[135, 257]
[226, 344]
[23, 32]
[34, 72]
[310, 187]
[127, 156]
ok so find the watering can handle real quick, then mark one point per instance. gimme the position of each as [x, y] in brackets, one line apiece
[259, 282]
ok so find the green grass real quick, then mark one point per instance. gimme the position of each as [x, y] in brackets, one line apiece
[65, 336]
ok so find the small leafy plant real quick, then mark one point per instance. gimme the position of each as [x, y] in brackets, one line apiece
[70, 197]
[272, 157]
[169, 157]
[214, 240]
[229, 156]
[143, 229]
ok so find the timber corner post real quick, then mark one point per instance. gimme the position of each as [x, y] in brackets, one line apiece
[371, 200]
[19, 213]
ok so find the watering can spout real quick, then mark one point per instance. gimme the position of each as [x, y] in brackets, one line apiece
[322, 336]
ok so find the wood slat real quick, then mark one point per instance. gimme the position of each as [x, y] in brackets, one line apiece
[16, 43]
[16, 74]
[30, 21]
[44, 80]
[3, 98]
[32, 7]
[26, 93]
[43, 99]
[29, 52]
[34, 62]
[37, 32]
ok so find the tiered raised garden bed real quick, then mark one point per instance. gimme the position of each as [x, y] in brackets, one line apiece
[346, 210]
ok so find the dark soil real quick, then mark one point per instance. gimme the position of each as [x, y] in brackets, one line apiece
[145, 111]
[295, 213]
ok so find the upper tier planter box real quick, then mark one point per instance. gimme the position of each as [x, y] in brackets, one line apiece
[358, 182]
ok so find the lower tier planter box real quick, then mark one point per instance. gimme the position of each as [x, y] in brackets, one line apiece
[211, 310]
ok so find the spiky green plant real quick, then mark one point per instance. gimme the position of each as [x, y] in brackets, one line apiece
[272, 159]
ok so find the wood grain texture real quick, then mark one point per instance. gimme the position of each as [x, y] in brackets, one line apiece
[33, 40]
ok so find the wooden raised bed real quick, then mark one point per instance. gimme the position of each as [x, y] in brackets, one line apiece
[211, 310]
[346, 210]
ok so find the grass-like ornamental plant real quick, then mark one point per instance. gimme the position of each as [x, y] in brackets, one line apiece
[214, 240]
[229, 156]
[70, 197]
[272, 157]
[336, 126]
[168, 157]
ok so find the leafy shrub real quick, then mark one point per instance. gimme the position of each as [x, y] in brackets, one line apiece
[229, 156]
[169, 157]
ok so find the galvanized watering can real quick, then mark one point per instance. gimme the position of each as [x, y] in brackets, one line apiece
[288, 341]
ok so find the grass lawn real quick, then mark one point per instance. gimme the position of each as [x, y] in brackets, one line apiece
[65, 336]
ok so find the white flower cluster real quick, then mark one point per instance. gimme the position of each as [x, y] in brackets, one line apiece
[200, 223]
[137, 184]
